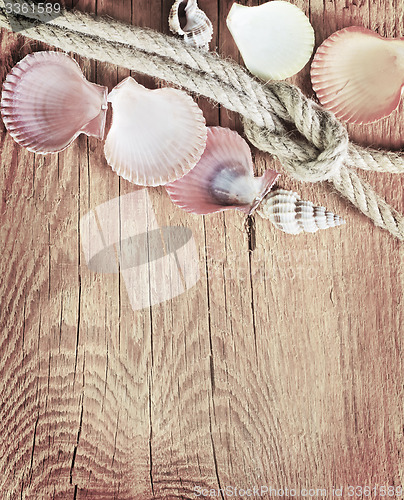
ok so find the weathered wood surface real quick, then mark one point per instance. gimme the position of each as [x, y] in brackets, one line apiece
[282, 367]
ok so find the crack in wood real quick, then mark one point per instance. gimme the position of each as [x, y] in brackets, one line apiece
[150, 438]
[77, 442]
[214, 456]
[77, 331]
[33, 450]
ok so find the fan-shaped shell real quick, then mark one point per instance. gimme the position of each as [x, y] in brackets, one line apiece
[156, 136]
[275, 39]
[358, 74]
[223, 178]
[292, 215]
[188, 20]
[46, 103]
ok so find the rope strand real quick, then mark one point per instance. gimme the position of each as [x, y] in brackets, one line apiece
[319, 148]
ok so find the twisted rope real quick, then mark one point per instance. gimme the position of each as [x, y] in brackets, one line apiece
[320, 152]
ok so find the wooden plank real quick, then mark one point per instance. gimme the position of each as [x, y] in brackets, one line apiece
[181, 446]
[281, 367]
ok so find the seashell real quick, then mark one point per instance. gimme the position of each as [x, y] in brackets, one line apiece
[156, 136]
[359, 75]
[188, 20]
[223, 179]
[292, 215]
[47, 102]
[275, 39]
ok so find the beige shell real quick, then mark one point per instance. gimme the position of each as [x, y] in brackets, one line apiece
[292, 215]
[188, 20]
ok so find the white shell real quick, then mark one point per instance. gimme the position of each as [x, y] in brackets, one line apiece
[46, 103]
[156, 136]
[188, 20]
[275, 39]
[359, 75]
[292, 215]
[223, 178]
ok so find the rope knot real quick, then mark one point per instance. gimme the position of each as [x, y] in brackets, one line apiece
[319, 148]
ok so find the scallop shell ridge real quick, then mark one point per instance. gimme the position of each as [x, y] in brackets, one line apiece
[292, 215]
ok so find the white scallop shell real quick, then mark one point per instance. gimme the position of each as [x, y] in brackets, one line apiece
[223, 178]
[46, 103]
[156, 136]
[275, 39]
[188, 20]
[359, 75]
[292, 215]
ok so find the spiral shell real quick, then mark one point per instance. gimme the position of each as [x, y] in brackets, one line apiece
[292, 215]
[188, 20]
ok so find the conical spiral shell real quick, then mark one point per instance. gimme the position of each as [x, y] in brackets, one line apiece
[292, 215]
[188, 20]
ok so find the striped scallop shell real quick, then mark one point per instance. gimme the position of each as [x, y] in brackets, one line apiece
[188, 20]
[47, 102]
[292, 215]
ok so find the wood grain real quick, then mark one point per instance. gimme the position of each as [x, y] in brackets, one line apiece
[282, 367]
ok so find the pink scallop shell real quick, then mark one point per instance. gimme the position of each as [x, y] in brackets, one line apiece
[359, 75]
[47, 102]
[223, 178]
